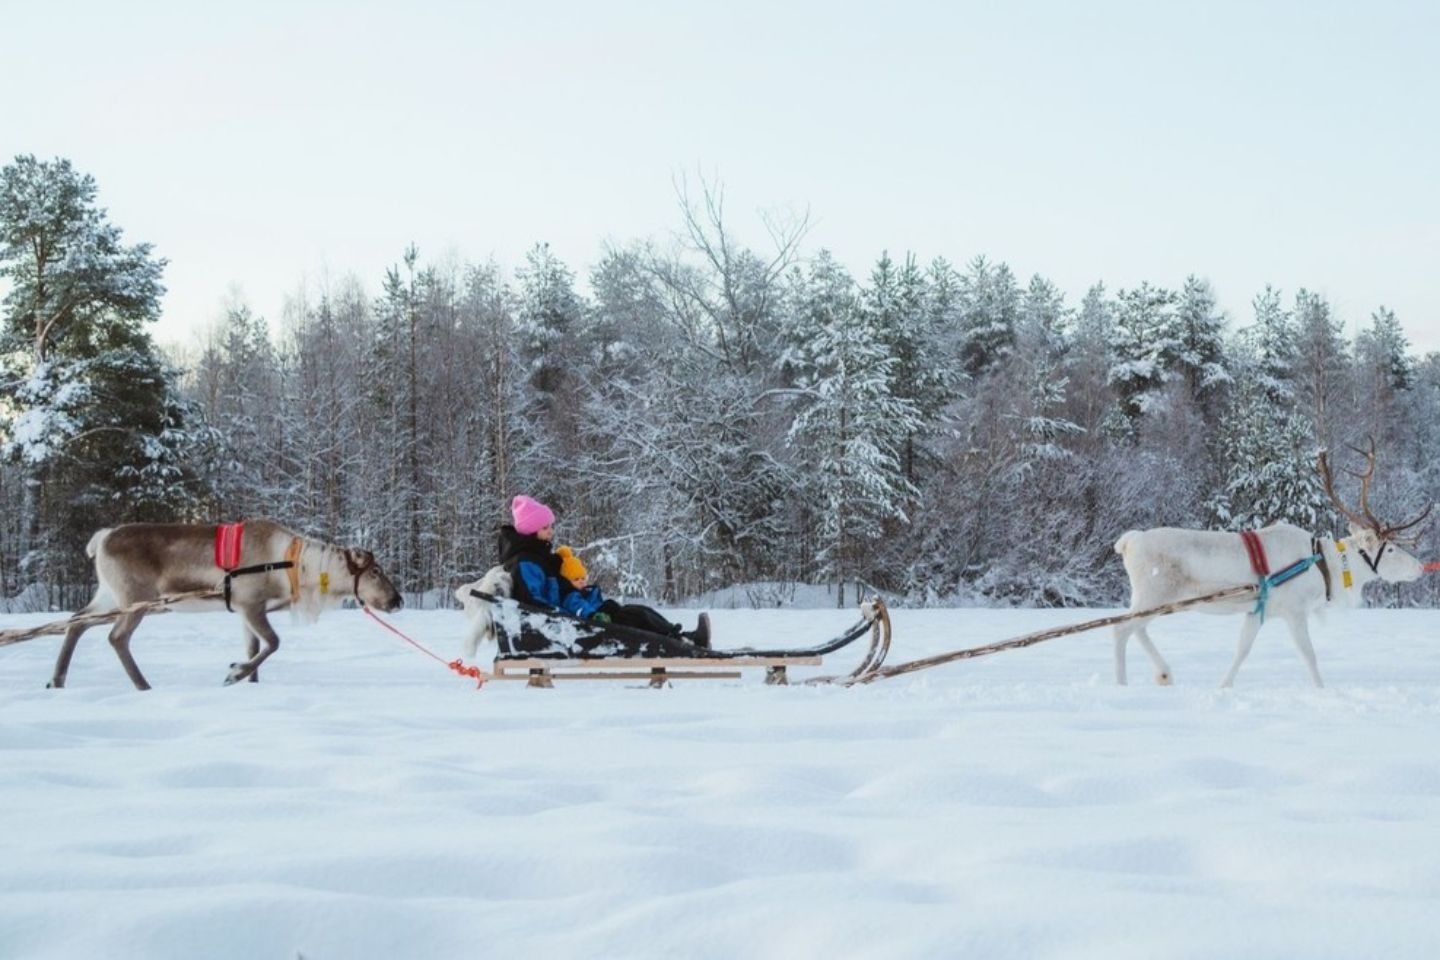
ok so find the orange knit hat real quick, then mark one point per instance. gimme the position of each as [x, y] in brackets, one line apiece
[570, 566]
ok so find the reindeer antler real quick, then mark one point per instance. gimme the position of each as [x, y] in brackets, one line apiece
[1389, 533]
[1365, 479]
[1367, 517]
[1329, 479]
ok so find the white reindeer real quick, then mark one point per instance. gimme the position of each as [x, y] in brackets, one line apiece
[497, 583]
[1168, 564]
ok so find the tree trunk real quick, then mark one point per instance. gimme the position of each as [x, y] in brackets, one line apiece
[669, 591]
[32, 483]
[502, 460]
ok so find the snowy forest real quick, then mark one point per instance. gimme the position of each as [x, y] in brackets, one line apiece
[706, 411]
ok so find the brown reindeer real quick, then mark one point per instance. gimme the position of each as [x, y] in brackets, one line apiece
[144, 561]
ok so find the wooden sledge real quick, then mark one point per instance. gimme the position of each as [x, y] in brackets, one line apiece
[540, 646]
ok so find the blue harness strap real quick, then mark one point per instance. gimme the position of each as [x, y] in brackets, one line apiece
[1282, 577]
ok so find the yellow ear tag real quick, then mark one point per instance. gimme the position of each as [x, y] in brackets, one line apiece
[324, 582]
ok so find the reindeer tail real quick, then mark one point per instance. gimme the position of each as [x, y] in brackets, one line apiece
[93, 547]
[1124, 542]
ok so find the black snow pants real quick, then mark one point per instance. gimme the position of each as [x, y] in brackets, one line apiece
[640, 617]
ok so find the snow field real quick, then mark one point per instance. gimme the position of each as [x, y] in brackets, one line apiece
[363, 802]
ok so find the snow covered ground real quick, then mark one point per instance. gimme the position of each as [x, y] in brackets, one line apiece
[363, 802]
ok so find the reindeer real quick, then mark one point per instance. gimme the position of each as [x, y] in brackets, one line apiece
[497, 582]
[143, 561]
[1168, 564]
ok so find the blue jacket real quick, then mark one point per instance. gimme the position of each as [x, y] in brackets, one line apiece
[536, 570]
[551, 591]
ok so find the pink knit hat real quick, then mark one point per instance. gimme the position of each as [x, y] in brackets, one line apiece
[530, 515]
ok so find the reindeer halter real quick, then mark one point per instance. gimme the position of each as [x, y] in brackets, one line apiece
[357, 570]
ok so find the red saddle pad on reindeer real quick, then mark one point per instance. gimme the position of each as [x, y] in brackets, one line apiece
[229, 537]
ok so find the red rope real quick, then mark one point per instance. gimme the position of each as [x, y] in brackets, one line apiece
[459, 666]
[1432, 566]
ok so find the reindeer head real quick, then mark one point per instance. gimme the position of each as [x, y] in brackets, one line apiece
[372, 587]
[1379, 544]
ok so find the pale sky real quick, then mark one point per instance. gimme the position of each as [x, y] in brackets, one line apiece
[267, 145]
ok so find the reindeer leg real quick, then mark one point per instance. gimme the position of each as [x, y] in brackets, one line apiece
[67, 648]
[62, 662]
[1122, 637]
[252, 649]
[1242, 650]
[476, 632]
[259, 625]
[1162, 669]
[1300, 633]
[120, 640]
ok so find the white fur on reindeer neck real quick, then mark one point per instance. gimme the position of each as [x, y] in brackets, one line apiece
[317, 565]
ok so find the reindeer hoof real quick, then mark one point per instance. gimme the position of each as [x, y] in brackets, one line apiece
[1163, 679]
[236, 674]
[55, 685]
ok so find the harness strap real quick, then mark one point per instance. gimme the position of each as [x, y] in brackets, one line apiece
[292, 563]
[1294, 570]
[1321, 564]
[1256, 551]
[257, 568]
[229, 540]
[1282, 578]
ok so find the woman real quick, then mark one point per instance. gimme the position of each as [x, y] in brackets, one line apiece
[527, 553]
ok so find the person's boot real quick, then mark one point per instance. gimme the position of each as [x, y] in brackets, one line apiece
[700, 636]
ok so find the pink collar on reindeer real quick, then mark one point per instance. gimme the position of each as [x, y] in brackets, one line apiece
[229, 538]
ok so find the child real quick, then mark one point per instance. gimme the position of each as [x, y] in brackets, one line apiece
[572, 568]
[548, 577]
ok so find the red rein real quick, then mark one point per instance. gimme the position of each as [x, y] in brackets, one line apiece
[459, 666]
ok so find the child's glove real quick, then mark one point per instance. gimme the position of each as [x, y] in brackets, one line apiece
[599, 617]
